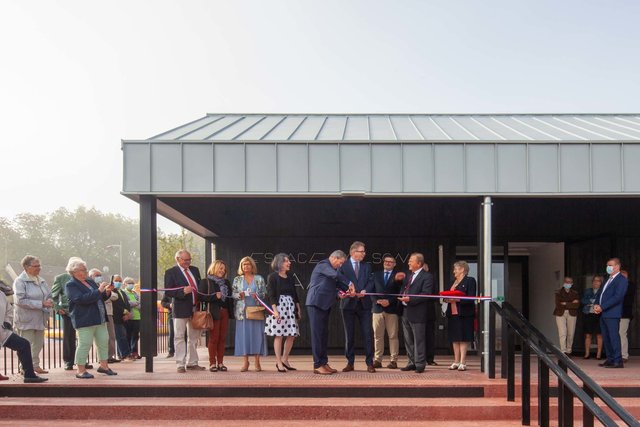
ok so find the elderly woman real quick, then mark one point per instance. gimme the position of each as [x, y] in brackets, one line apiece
[32, 306]
[88, 315]
[215, 290]
[591, 326]
[460, 315]
[250, 338]
[283, 298]
[133, 324]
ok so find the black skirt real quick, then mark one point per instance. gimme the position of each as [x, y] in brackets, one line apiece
[460, 328]
[591, 323]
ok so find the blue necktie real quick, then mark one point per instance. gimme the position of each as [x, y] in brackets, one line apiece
[386, 276]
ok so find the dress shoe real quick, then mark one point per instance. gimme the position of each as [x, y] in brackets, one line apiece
[288, 368]
[605, 363]
[36, 380]
[107, 371]
[113, 360]
[408, 368]
[3, 378]
[377, 364]
[432, 363]
[68, 366]
[196, 368]
[625, 360]
[348, 368]
[181, 370]
[615, 365]
[392, 365]
[330, 369]
[281, 370]
[169, 355]
[39, 370]
[322, 370]
[222, 368]
[419, 370]
[371, 369]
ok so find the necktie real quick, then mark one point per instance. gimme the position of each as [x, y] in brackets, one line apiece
[386, 276]
[194, 289]
[406, 288]
[357, 269]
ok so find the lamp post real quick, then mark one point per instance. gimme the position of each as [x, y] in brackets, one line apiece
[119, 246]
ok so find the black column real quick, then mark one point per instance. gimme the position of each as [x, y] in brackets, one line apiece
[207, 253]
[148, 280]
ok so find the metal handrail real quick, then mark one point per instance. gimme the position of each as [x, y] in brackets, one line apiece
[537, 342]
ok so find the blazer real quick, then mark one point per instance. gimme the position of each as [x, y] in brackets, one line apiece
[236, 288]
[391, 287]
[84, 303]
[209, 288]
[363, 282]
[120, 306]
[324, 285]
[466, 308]
[568, 298]
[611, 300]
[419, 310]
[182, 304]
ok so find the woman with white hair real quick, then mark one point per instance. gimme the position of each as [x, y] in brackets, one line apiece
[33, 304]
[88, 315]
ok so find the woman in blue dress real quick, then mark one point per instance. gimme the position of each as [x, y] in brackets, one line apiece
[250, 337]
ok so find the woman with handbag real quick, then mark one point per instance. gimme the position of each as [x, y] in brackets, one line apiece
[286, 311]
[215, 291]
[249, 313]
[460, 315]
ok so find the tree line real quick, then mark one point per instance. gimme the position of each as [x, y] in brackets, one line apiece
[94, 236]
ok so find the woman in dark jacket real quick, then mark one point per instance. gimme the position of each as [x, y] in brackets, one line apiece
[121, 314]
[215, 290]
[460, 315]
[591, 320]
[88, 315]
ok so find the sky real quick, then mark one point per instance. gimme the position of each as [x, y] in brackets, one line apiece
[77, 77]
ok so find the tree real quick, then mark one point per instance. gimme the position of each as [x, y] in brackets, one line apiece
[169, 244]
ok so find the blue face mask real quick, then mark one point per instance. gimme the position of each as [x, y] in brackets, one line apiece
[117, 284]
[609, 269]
[130, 287]
[98, 279]
[567, 286]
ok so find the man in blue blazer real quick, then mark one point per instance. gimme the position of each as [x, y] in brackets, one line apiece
[323, 289]
[609, 305]
[357, 306]
[183, 278]
[415, 314]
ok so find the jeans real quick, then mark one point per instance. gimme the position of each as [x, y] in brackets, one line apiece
[133, 333]
[121, 338]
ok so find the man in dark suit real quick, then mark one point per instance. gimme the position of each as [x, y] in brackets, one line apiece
[323, 289]
[385, 312]
[185, 278]
[415, 312]
[609, 305]
[357, 307]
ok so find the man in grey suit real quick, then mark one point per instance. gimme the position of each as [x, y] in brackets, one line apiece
[415, 316]
[323, 289]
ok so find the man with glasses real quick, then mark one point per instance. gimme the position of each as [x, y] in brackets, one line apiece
[357, 306]
[183, 280]
[385, 312]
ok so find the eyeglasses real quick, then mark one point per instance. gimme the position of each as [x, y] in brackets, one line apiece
[186, 259]
[361, 252]
[35, 266]
[387, 261]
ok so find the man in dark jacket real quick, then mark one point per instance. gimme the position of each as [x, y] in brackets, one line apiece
[182, 284]
[385, 312]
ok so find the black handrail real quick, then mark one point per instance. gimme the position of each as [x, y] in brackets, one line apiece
[534, 340]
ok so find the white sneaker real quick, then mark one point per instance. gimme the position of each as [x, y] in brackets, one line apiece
[454, 366]
[462, 367]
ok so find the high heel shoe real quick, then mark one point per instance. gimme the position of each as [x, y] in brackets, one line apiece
[258, 367]
[280, 370]
[245, 367]
[288, 368]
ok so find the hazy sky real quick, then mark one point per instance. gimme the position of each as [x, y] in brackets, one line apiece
[78, 76]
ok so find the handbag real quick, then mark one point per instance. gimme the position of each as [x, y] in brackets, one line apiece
[254, 313]
[202, 320]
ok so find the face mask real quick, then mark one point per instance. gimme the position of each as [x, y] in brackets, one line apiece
[567, 285]
[117, 284]
[130, 287]
[609, 269]
[97, 279]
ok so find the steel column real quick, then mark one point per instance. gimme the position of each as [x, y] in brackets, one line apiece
[486, 275]
[148, 280]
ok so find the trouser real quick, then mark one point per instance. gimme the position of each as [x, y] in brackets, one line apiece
[414, 343]
[112, 336]
[68, 340]
[319, 323]
[185, 354]
[610, 328]
[36, 340]
[386, 322]
[133, 333]
[217, 336]
[430, 340]
[121, 337]
[86, 336]
[172, 347]
[23, 348]
[349, 318]
[624, 338]
[566, 327]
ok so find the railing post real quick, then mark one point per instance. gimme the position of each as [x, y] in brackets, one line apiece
[492, 340]
[503, 348]
[587, 416]
[526, 383]
[543, 394]
[565, 401]
[511, 377]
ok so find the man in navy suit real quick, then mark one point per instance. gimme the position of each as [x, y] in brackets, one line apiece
[185, 278]
[323, 289]
[357, 306]
[414, 315]
[610, 298]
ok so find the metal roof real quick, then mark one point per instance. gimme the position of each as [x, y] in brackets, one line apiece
[407, 128]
